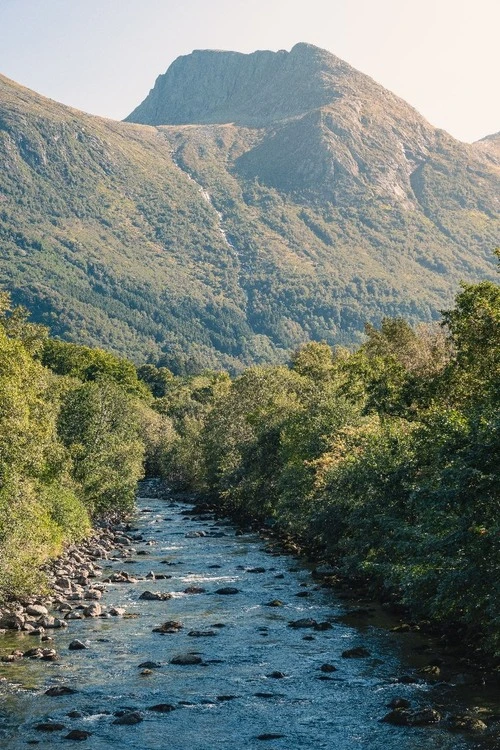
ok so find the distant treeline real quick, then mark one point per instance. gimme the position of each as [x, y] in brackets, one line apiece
[384, 459]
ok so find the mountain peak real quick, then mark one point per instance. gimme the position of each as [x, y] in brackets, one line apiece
[254, 90]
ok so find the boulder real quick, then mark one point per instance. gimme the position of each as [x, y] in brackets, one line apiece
[36, 610]
[57, 690]
[155, 596]
[77, 645]
[328, 668]
[162, 708]
[49, 726]
[77, 734]
[171, 626]
[117, 611]
[129, 718]
[186, 659]
[467, 723]
[93, 610]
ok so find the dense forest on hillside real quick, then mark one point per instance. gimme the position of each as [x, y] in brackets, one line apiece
[383, 460]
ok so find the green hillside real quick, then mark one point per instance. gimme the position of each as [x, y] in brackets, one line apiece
[254, 219]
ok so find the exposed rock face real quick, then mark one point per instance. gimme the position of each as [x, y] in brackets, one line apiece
[212, 86]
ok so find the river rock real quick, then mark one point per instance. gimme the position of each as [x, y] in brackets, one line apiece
[305, 622]
[320, 626]
[13, 620]
[227, 590]
[171, 626]
[201, 633]
[275, 603]
[155, 596]
[432, 670]
[77, 734]
[256, 570]
[36, 610]
[129, 718]
[276, 675]
[404, 717]
[93, 610]
[328, 668]
[162, 708]
[149, 665]
[49, 654]
[49, 726]
[58, 690]
[186, 659]
[467, 723]
[63, 583]
[93, 594]
[77, 645]
[194, 590]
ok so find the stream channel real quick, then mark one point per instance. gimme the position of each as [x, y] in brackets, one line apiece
[230, 699]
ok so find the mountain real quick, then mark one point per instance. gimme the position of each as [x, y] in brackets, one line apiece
[250, 203]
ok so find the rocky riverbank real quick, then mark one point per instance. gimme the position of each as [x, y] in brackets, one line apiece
[76, 588]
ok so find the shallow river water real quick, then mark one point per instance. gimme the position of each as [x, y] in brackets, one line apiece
[311, 709]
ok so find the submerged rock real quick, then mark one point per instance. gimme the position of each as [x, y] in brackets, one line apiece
[359, 652]
[77, 734]
[467, 723]
[162, 708]
[49, 726]
[305, 622]
[186, 659]
[404, 717]
[58, 690]
[129, 718]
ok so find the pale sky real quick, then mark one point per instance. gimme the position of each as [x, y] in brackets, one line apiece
[103, 56]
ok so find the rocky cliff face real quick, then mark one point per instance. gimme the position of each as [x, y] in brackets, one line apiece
[210, 86]
[326, 131]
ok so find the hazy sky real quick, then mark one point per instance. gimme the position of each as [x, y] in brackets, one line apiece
[103, 56]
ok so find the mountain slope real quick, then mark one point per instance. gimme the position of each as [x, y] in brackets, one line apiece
[269, 198]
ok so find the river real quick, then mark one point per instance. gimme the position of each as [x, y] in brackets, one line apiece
[230, 699]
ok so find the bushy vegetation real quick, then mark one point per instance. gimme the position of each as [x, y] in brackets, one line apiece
[384, 459]
[74, 427]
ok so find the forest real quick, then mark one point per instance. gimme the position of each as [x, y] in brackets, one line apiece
[381, 460]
